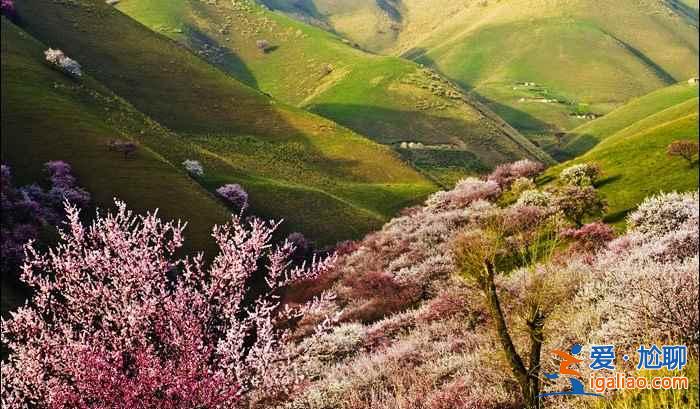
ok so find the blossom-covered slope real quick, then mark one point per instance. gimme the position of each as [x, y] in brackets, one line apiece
[417, 333]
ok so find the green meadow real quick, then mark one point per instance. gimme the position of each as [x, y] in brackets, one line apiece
[631, 148]
[388, 99]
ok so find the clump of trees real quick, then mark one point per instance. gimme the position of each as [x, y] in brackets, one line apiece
[536, 281]
[535, 197]
[579, 202]
[117, 320]
[687, 150]
[263, 45]
[234, 195]
[589, 238]
[466, 191]
[664, 213]
[29, 209]
[504, 175]
[64, 63]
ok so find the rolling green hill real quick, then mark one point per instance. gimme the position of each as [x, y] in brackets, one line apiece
[543, 65]
[323, 179]
[48, 116]
[388, 99]
[632, 148]
[585, 137]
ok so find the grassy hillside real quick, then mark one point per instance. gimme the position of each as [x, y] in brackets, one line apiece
[632, 148]
[583, 138]
[325, 180]
[47, 116]
[542, 65]
[388, 99]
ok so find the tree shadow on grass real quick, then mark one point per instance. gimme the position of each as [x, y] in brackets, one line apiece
[543, 180]
[271, 49]
[617, 216]
[578, 144]
[214, 53]
[607, 180]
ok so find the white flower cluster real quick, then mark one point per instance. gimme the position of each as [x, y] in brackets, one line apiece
[580, 175]
[66, 64]
[193, 167]
[534, 197]
[664, 213]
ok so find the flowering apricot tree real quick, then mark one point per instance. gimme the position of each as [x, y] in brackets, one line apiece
[117, 321]
[64, 63]
[7, 8]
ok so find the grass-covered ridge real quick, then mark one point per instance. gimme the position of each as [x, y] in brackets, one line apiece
[388, 99]
[583, 138]
[542, 65]
[632, 148]
[295, 165]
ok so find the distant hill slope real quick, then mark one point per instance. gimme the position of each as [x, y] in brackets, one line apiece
[325, 180]
[632, 148]
[585, 137]
[388, 99]
[543, 65]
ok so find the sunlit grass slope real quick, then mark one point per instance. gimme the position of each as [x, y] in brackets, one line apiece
[325, 180]
[583, 138]
[388, 99]
[632, 150]
[583, 56]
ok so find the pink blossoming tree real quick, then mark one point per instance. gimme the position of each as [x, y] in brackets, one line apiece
[7, 8]
[117, 321]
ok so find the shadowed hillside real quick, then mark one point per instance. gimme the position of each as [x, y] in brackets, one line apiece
[294, 164]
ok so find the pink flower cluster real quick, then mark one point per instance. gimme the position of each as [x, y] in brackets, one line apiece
[116, 320]
[7, 8]
[27, 209]
[504, 175]
[234, 195]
